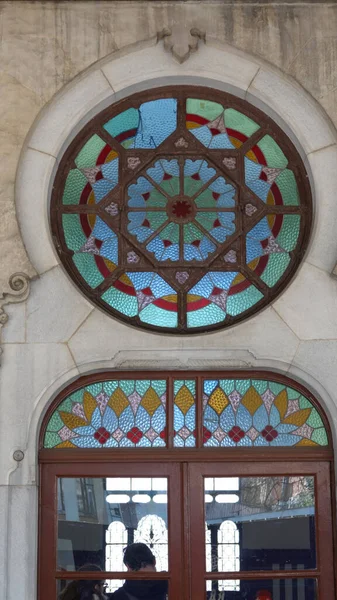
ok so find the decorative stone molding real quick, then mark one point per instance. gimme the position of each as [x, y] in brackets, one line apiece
[19, 283]
[334, 271]
[180, 41]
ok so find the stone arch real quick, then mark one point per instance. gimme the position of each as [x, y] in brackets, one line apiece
[148, 65]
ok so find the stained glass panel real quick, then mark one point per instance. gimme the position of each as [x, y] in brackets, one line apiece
[110, 414]
[248, 412]
[181, 210]
[184, 415]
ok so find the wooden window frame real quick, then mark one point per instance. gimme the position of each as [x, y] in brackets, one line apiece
[185, 467]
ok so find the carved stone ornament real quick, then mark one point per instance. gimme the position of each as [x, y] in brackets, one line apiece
[19, 283]
[181, 41]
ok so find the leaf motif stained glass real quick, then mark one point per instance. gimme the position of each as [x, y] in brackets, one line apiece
[182, 211]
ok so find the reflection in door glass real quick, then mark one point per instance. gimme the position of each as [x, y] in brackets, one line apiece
[99, 589]
[259, 523]
[99, 517]
[265, 589]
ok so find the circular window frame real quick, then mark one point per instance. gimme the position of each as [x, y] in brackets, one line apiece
[267, 126]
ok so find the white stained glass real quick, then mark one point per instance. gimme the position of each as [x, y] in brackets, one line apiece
[227, 498]
[141, 498]
[118, 484]
[116, 538]
[152, 531]
[160, 499]
[228, 554]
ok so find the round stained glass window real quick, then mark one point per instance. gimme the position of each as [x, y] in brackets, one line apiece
[181, 210]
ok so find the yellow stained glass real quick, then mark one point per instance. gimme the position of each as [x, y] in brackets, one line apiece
[150, 401]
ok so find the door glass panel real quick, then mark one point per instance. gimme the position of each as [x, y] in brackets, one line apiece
[262, 589]
[70, 589]
[259, 523]
[99, 517]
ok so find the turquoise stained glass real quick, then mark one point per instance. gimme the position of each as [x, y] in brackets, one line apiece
[181, 213]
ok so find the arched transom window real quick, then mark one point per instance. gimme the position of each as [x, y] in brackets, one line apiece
[225, 477]
[181, 210]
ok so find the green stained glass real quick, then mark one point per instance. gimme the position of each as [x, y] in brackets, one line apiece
[315, 420]
[51, 440]
[125, 121]
[205, 200]
[90, 152]
[272, 153]
[156, 219]
[152, 314]
[171, 186]
[192, 186]
[240, 122]
[75, 184]
[55, 422]
[320, 437]
[170, 232]
[87, 267]
[260, 386]
[277, 264]
[123, 303]
[290, 230]
[209, 315]
[192, 233]
[73, 232]
[244, 300]
[287, 185]
[204, 108]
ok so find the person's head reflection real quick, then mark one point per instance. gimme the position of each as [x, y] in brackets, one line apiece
[138, 557]
[86, 589]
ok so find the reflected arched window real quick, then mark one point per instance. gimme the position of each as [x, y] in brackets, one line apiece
[152, 531]
[228, 553]
[116, 538]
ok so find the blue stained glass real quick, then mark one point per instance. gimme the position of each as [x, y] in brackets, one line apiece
[191, 167]
[220, 186]
[243, 418]
[156, 172]
[109, 250]
[226, 200]
[190, 418]
[170, 166]
[204, 135]
[252, 170]
[178, 418]
[158, 119]
[261, 231]
[160, 287]
[110, 170]
[142, 186]
[206, 247]
[101, 230]
[109, 420]
[227, 418]
[102, 188]
[260, 418]
[210, 385]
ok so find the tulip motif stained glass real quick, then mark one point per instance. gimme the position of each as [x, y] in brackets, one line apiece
[110, 414]
[181, 211]
[248, 412]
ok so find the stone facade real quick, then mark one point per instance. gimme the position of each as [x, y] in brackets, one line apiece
[62, 62]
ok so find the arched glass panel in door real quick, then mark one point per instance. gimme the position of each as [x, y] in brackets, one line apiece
[224, 476]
